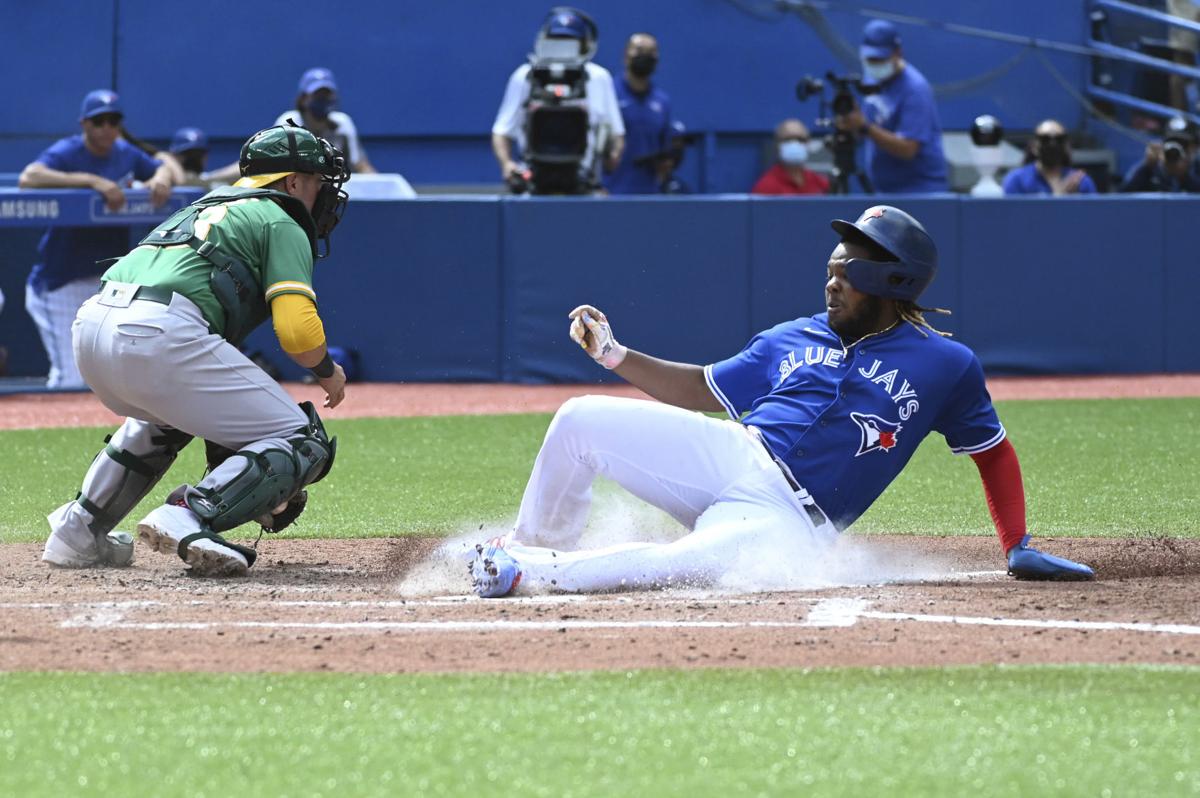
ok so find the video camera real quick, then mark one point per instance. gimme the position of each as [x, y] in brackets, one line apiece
[840, 142]
[557, 124]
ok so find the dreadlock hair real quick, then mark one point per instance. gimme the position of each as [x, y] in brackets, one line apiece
[914, 314]
[909, 311]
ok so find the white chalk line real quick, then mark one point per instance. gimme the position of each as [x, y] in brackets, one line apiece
[1099, 626]
[825, 613]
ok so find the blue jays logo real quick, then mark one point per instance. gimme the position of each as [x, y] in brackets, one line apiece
[877, 433]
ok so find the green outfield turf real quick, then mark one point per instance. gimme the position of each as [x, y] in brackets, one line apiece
[1105, 467]
[972, 731]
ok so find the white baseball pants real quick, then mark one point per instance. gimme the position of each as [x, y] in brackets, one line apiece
[711, 475]
[54, 312]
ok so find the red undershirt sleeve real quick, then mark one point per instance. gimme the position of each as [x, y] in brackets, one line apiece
[1001, 474]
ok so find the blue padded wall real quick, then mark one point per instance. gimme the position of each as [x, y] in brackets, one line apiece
[479, 289]
[1047, 283]
[667, 271]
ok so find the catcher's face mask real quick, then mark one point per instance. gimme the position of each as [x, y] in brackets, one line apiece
[330, 203]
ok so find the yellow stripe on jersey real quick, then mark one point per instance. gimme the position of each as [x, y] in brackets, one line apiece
[290, 287]
[297, 325]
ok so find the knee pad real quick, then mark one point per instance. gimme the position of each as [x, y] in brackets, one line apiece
[133, 461]
[269, 477]
[314, 446]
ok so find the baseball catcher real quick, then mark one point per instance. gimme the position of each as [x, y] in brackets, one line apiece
[824, 412]
[158, 345]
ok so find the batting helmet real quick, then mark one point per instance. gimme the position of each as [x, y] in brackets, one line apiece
[905, 239]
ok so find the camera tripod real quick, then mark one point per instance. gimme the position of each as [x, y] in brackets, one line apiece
[845, 165]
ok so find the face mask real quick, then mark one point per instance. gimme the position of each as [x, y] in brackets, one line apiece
[320, 108]
[793, 152]
[643, 65]
[1052, 156]
[879, 71]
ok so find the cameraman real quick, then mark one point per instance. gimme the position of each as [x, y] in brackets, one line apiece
[899, 124]
[603, 109]
[1168, 165]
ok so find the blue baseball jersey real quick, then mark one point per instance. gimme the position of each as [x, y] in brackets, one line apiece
[905, 106]
[66, 254]
[647, 134]
[846, 421]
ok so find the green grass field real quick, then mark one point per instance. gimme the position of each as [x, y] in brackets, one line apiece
[961, 731]
[1109, 468]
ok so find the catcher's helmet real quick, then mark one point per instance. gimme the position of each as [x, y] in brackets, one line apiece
[278, 151]
[902, 236]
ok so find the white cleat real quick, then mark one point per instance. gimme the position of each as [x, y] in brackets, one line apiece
[114, 551]
[168, 524]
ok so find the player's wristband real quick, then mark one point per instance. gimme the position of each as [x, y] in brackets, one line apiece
[865, 130]
[613, 356]
[324, 369]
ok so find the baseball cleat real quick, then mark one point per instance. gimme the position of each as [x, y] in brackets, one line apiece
[1027, 563]
[114, 550]
[168, 524]
[494, 573]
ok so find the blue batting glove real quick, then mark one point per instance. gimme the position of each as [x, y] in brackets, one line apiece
[1027, 563]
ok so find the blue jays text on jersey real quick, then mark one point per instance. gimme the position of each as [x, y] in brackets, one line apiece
[847, 420]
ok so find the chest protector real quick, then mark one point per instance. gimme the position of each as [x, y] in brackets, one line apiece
[238, 291]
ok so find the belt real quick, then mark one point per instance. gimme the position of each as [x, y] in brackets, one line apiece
[152, 293]
[815, 514]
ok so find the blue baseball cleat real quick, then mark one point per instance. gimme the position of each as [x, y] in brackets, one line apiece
[494, 573]
[1027, 563]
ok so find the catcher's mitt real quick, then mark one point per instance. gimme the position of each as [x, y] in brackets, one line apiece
[285, 515]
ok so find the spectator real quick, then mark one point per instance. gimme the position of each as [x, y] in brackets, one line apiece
[66, 273]
[317, 107]
[604, 113]
[899, 125]
[789, 175]
[646, 112]
[316, 110]
[1050, 172]
[189, 149]
[1169, 164]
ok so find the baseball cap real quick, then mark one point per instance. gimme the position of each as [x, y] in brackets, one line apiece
[880, 39]
[100, 101]
[189, 138]
[564, 23]
[316, 79]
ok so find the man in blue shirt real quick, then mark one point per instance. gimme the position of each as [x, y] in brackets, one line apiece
[898, 124]
[1050, 172]
[646, 110]
[66, 273]
[824, 412]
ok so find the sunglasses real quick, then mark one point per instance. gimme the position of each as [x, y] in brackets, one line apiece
[1053, 138]
[105, 120]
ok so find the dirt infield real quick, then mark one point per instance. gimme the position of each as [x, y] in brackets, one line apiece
[341, 606]
[358, 606]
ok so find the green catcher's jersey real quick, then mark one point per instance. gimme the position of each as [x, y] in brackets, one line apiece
[254, 230]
